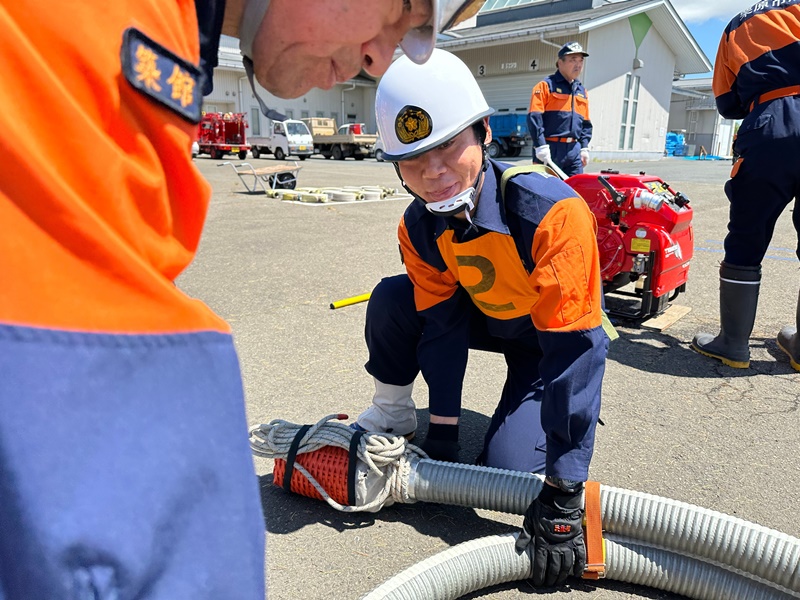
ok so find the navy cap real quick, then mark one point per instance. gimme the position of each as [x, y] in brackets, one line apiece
[572, 48]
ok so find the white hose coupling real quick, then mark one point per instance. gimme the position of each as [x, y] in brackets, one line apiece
[647, 200]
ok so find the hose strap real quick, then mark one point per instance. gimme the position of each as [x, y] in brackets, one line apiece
[352, 463]
[287, 475]
[595, 555]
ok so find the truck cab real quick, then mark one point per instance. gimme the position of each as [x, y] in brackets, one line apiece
[282, 139]
[356, 128]
[348, 140]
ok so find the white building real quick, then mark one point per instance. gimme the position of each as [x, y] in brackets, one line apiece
[352, 102]
[637, 48]
[693, 111]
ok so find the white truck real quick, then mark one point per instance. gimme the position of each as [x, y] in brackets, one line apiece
[351, 139]
[284, 138]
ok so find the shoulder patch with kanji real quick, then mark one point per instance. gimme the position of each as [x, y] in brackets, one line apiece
[162, 75]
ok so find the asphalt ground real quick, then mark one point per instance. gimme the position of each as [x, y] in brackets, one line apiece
[677, 424]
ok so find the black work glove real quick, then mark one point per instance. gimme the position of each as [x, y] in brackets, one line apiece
[552, 535]
[441, 443]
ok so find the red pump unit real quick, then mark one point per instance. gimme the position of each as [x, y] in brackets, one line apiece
[223, 133]
[645, 237]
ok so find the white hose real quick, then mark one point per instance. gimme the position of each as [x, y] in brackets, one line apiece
[493, 560]
[687, 529]
[720, 549]
[643, 564]
[677, 526]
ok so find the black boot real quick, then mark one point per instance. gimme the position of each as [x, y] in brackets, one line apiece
[789, 341]
[738, 299]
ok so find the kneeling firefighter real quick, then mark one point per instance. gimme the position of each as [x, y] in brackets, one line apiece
[498, 259]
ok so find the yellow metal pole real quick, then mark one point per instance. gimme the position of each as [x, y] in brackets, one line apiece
[349, 301]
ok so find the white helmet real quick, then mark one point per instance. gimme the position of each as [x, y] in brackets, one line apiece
[419, 107]
[419, 43]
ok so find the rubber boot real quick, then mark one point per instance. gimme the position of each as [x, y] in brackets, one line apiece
[392, 411]
[738, 299]
[789, 341]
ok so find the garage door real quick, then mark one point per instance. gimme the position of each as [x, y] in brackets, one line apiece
[512, 92]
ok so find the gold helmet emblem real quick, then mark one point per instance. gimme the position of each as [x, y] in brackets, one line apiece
[412, 124]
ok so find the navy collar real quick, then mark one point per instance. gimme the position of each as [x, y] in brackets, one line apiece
[559, 78]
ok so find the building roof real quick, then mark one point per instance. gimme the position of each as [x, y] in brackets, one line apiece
[229, 55]
[689, 57]
[696, 83]
[699, 87]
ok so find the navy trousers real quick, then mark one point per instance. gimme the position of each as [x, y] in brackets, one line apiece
[764, 181]
[394, 334]
[125, 470]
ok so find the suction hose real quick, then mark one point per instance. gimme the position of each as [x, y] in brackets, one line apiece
[676, 526]
[666, 535]
[493, 560]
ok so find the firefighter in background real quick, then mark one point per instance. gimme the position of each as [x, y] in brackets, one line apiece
[125, 470]
[558, 117]
[508, 265]
[757, 79]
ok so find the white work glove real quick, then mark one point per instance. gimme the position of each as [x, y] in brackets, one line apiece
[392, 411]
[543, 154]
[584, 156]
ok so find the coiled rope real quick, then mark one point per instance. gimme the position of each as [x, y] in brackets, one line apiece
[387, 456]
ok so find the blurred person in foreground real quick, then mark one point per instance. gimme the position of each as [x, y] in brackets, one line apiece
[125, 470]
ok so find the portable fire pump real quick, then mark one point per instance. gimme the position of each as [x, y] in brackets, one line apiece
[645, 238]
[223, 133]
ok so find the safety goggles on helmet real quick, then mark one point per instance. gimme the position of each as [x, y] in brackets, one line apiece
[419, 107]
[420, 42]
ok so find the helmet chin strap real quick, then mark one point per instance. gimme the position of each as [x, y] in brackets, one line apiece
[453, 206]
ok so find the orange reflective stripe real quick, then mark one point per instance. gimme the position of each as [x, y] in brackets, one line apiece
[724, 78]
[582, 106]
[559, 102]
[539, 97]
[567, 274]
[792, 90]
[431, 286]
[490, 270]
[736, 166]
[565, 140]
[754, 38]
[593, 533]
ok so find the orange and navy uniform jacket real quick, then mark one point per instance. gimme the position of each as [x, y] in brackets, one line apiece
[758, 58]
[757, 79]
[559, 109]
[101, 208]
[535, 275]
